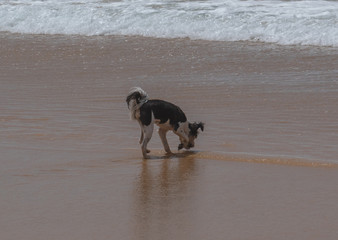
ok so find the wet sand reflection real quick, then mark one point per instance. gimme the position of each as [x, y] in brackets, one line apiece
[163, 192]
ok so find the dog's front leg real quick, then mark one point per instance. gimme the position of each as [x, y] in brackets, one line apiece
[163, 136]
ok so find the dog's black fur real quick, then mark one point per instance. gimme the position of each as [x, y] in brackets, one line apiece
[163, 111]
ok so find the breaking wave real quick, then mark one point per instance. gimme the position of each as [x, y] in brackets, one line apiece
[275, 21]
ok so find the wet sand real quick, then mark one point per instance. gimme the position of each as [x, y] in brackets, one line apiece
[71, 167]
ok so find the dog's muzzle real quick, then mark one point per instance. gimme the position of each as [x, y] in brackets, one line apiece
[181, 145]
[190, 145]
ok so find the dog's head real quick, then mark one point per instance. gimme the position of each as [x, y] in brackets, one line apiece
[193, 133]
[135, 96]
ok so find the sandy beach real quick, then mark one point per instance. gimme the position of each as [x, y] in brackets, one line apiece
[266, 166]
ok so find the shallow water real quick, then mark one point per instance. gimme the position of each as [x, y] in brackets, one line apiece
[71, 163]
[255, 99]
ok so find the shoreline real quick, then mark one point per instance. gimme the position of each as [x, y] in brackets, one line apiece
[94, 38]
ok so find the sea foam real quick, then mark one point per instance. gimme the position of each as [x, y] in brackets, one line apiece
[283, 22]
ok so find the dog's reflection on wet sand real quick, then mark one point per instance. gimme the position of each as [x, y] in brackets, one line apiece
[163, 186]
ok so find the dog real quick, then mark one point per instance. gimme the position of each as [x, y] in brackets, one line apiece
[167, 116]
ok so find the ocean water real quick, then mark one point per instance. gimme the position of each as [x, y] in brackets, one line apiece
[305, 22]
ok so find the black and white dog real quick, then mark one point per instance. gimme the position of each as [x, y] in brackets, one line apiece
[166, 115]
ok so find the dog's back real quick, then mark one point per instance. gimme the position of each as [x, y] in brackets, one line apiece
[163, 112]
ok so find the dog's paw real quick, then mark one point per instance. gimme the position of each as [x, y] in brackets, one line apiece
[168, 152]
[180, 146]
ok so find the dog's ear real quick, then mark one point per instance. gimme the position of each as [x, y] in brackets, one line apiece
[201, 126]
[195, 126]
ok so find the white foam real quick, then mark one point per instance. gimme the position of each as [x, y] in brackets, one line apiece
[283, 22]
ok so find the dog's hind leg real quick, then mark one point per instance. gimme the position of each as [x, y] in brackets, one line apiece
[148, 132]
[142, 135]
[163, 136]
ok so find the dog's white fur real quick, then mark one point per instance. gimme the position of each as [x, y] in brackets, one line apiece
[133, 106]
[136, 98]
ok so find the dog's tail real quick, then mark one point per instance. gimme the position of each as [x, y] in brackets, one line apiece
[135, 99]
